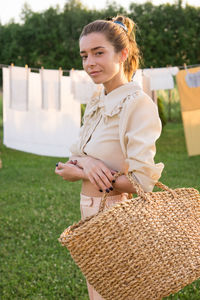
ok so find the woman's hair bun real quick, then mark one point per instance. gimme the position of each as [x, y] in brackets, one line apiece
[128, 23]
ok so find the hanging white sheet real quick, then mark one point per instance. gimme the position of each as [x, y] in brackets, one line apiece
[51, 88]
[160, 78]
[173, 70]
[138, 77]
[82, 86]
[18, 96]
[44, 132]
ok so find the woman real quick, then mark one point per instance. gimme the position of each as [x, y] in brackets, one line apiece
[121, 124]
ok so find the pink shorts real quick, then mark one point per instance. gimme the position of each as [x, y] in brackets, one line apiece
[90, 206]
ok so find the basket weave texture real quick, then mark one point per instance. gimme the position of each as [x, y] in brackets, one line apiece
[144, 248]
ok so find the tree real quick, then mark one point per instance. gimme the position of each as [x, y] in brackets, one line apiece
[167, 34]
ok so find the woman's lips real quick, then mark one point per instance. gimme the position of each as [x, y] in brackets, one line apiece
[95, 73]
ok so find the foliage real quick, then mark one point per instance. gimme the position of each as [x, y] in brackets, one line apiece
[167, 34]
[161, 111]
[83, 107]
[171, 108]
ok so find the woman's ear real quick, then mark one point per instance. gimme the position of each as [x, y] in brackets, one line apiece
[124, 55]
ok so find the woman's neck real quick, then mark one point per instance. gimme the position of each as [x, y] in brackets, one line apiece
[114, 83]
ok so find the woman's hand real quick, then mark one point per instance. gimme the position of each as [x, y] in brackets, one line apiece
[97, 172]
[69, 171]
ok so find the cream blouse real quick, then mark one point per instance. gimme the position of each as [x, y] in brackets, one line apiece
[121, 129]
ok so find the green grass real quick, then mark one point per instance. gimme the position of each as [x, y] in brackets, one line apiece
[36, 206]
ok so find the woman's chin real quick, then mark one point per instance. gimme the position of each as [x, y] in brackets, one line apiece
[97, 80]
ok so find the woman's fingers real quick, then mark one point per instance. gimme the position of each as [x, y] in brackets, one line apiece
[73, 162]
[60, 165]
[101, 181]
[97, 181]
[60, 168]
[58, 172]
[107, 183]
[101, 177]
[93, 181]
[109, 174]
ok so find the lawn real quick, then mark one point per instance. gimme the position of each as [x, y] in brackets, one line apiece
[36, 206]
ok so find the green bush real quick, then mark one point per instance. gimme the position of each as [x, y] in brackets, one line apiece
[161, 111]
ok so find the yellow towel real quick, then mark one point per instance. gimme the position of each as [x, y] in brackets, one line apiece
[190, 107]
[191, 122]
[189, 97]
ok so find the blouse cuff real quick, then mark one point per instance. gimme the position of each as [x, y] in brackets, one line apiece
[146, 175]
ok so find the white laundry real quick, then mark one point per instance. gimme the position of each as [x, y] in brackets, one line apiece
[51, 88]
[146, 85]
[18, 96]
[138, 77]
[193, 79]
[43, 132]
[82, 86]
[160, 78]
[173, 70]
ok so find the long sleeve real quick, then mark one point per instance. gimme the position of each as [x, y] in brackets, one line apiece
[140, 127]
[75, 147]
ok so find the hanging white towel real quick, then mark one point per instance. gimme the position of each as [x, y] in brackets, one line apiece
[160, 78]
[173, 70]
[39, 131]
[146, 85]
[18, 96]
[82, 86]
[51, 80]
[138, 77]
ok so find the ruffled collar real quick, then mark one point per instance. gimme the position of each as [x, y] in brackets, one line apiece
[112, 102]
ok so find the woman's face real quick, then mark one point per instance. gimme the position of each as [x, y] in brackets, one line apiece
[99, 58]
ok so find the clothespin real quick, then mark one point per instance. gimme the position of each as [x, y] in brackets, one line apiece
[26, 66]
[12, 64]
[168, 66]
[185, 66]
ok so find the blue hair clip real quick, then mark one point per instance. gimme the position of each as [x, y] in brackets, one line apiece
[122, 25]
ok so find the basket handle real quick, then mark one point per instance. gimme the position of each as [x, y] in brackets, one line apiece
[139, 190]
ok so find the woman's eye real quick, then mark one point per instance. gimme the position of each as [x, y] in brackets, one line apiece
[84, 57]
[99, 53]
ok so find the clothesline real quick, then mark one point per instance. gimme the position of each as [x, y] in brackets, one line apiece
[40, 108]
[33, 69]
[67, 71]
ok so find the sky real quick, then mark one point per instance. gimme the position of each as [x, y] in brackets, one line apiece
[11, 9]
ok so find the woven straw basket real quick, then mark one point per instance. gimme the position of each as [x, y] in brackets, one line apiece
[143, 248]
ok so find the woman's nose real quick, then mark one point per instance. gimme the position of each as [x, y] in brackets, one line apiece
[90, 60]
